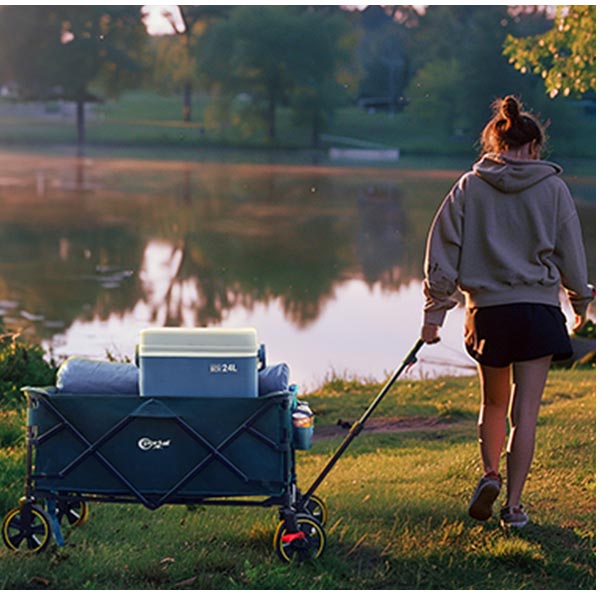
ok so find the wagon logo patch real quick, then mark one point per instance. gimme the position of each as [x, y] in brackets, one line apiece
[148, 444]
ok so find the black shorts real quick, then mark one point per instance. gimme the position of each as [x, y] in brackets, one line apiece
[497, 336]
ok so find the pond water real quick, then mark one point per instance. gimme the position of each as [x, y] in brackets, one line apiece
[325, 261]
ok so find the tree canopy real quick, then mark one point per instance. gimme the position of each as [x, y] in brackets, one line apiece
[71, 52]
[565, 56]
[459, 74]
[280, 55]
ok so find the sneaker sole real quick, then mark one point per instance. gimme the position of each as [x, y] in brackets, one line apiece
[481, 506]
[509, 525]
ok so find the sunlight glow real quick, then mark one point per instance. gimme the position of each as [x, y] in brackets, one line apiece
[160, 18]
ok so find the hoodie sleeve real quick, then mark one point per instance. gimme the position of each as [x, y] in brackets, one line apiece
[442, 257]
[569, 256]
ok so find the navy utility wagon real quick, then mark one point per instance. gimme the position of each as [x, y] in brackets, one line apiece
[174, 443]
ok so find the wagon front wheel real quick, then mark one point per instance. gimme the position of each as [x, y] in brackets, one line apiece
[308, 542]
[26, 529]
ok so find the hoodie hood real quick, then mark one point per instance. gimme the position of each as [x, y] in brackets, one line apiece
[511, 175]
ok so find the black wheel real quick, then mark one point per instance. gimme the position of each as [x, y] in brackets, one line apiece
[306, 543]
[75, 512]
[26, 529]
[316, 508]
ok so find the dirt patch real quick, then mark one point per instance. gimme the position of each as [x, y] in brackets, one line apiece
[382, 425]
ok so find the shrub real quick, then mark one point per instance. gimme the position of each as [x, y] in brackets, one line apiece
[21, 363]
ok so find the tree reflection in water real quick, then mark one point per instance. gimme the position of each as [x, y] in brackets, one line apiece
[382, 228]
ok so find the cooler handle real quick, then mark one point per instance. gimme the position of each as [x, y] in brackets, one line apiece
[262, 357]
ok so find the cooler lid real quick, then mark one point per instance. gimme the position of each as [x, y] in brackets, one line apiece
[198, 341]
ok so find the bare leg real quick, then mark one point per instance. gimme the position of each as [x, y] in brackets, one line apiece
[495, 399]
[529, 382]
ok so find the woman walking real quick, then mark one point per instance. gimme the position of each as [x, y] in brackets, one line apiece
[508, 237]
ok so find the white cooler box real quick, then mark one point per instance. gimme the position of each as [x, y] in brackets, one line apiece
[199, 362]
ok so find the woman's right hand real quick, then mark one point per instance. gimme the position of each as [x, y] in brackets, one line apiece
[429, 334]
[579, 323]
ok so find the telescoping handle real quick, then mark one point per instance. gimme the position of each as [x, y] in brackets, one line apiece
[409, 359]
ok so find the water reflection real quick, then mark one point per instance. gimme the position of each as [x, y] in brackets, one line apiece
[325, 262]
[382, 229]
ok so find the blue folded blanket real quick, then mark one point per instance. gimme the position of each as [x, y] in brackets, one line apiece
[86, 376]
[273, 379]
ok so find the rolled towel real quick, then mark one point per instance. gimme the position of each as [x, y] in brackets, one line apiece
[79, 375]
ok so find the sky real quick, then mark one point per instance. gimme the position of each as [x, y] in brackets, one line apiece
[156, 23]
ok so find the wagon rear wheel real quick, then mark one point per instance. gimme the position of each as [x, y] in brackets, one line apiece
[26, 529]
[75, 512]
[308, 542]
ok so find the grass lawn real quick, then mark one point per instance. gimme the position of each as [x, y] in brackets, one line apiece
[144, 123]
[396, 501]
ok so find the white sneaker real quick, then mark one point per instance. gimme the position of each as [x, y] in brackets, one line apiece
[513, 516]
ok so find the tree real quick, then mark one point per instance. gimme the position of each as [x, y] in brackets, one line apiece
[439, 53]
[461, 69]
[261, 54]
[280, 55]
[433, 94]
[565, 56]
[176, 60]
[441, 33]
[485, 72]
[71, 52]
[323, 69]
[28, 46]
[383, 53]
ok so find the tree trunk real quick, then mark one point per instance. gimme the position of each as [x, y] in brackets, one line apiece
[271, 119]
[187, 102]
[80, 127]
[316, 134]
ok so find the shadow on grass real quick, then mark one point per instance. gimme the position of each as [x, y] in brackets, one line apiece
[569, 556]
[543, 558]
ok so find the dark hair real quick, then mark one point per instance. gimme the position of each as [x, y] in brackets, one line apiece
[510, 127]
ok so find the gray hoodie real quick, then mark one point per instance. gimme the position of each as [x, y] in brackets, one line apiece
[507, 232]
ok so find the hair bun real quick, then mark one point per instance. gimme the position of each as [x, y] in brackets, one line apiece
[510, 127]
[510, 109]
